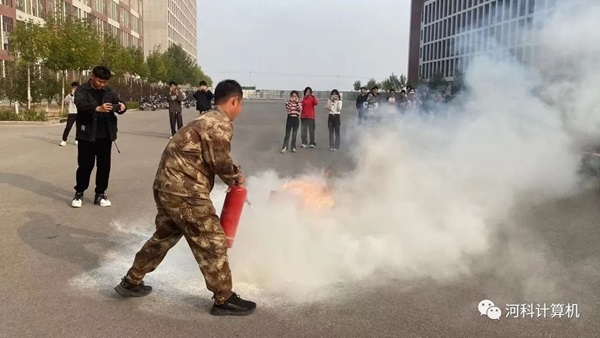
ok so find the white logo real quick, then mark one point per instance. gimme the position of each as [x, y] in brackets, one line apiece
[488, 308]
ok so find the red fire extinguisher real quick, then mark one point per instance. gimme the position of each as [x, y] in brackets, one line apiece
[232, 211]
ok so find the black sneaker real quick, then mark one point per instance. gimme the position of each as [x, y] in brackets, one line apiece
[127, 289]
[234, 306]
[77, 200]
[102, 200]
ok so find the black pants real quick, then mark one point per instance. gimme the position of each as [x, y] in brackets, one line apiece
[87, 154]
[291, 127]
[334, 122]
[71, 118]
[308, 126]
[175, 118]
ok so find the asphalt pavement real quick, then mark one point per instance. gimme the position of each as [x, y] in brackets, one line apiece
[59, 265]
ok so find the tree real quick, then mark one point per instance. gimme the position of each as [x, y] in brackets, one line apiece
[372, 83]
[392, 83]
[357, 85]
[459, 81]
[437, 82]
[30, 46]
[157, 68]
[74, 45]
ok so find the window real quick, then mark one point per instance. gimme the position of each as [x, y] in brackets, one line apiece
[522, 8]
[531, 7]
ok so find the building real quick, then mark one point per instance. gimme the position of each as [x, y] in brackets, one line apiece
[121, 17]
[451, 33]
[170, 22]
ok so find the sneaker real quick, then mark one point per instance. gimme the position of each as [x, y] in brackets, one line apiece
[63, 143]
[77, 200]
[234, 306]
[76, 142]
[283, 150]
[102, 200]
[293, 150]
[303, 146]
[331, 149]
[127, 289]
[312, 146]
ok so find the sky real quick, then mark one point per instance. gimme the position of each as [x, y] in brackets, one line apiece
[289, 44]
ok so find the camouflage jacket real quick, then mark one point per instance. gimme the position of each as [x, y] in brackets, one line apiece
[196, 154]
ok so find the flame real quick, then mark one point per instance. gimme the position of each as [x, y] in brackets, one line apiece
[314, 195]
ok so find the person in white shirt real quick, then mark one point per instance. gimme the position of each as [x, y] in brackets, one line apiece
[334, 106]
[72, 116]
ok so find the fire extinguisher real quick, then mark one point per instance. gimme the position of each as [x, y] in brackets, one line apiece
[232, 211]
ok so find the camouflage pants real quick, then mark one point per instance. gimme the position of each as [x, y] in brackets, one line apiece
[196, 220]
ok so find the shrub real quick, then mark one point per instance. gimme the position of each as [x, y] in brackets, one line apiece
[24, 115]
[132, 105]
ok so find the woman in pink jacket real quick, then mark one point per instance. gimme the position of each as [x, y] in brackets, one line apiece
[309, 101]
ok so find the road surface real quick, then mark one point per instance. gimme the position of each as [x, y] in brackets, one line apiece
[59, 265]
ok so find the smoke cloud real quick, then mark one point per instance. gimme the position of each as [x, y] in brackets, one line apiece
[430, 197]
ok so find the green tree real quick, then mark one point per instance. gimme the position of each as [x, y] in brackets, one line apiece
[157, 68]
[112, 54]
[372, 83]
[438, 82]
[29, 42]
[357, 85]
[74, 44]
[179, 65]
[392, 83]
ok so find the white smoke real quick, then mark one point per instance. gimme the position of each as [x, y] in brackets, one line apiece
[429, 198]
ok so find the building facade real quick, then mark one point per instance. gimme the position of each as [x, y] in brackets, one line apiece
[452, 33]
[170, 22]
[123, 18]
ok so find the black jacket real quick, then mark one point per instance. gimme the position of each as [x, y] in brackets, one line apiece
[87, 117]
[203, 100]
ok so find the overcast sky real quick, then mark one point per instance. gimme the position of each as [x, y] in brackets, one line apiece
[290, 44]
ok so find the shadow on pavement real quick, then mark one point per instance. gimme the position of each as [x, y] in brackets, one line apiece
[36, 186]
[45, 235]
[54, 141]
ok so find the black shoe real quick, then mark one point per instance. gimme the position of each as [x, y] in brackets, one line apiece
[102, 200]
[77, 200]
[234, 306]
[127, 289]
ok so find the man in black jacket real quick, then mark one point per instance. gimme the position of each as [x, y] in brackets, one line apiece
[97, 106]
[203, 98]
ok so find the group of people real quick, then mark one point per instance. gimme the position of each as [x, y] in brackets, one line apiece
[203, 97]
[370, 104]
[184, 179]
[301, 113]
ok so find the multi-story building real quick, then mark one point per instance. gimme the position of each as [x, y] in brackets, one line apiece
[451, 33]
[121, 17]
[170, 22]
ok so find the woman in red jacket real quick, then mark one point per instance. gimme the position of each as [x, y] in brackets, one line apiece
[309, 101]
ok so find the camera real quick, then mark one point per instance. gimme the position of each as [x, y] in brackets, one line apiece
[116, 107]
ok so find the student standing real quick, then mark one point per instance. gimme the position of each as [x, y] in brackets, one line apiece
[334, 106]
[175, 99]
[97, 109]
[72, 116]
[293, 108]
[309, 101]
[203, 98]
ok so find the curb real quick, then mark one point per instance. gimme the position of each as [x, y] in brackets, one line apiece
[30, 123]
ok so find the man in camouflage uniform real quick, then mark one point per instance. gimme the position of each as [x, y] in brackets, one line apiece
[186, 175]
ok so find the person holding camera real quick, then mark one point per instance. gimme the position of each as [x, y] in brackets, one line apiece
[203, 98]
[97, 109]
[176, 97]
